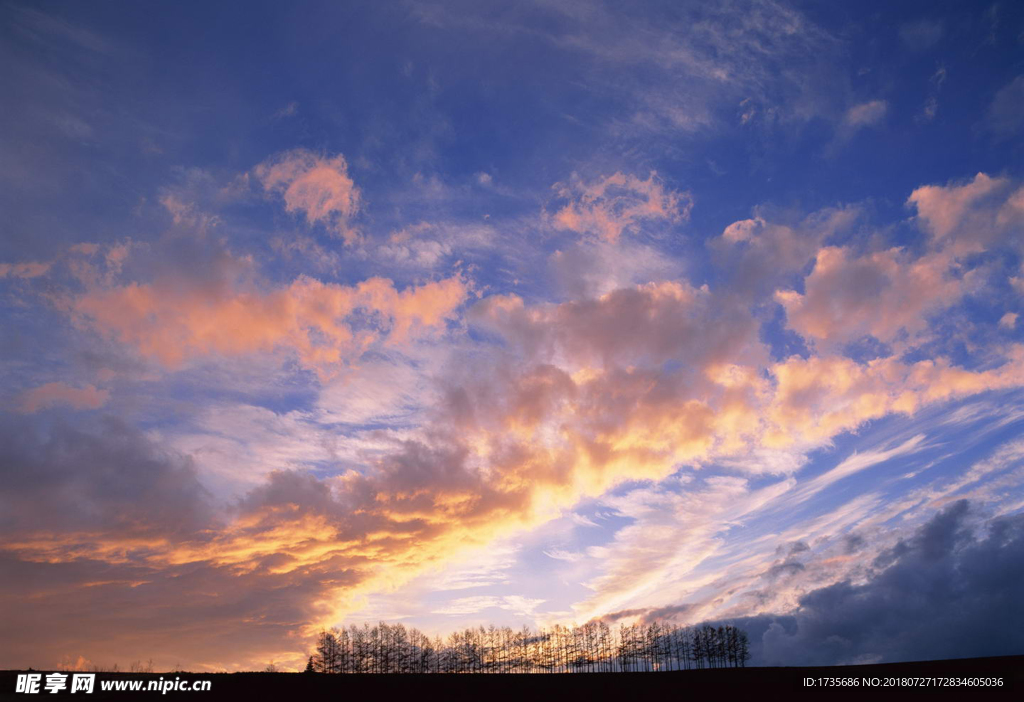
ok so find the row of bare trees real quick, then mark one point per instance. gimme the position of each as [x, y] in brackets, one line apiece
[593, 647]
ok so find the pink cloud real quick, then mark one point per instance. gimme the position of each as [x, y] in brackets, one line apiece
[758, 254]
[608, 207]
[51, 394]
[171, 322]
[23, 270]
[964, 216]
[820, 397]
[570, 400]
[880, 294]
[318, 187]
[866, 114]
[890, 294]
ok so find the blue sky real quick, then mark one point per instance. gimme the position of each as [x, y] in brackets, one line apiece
[525, 313]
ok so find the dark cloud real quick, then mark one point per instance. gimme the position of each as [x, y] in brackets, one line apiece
[112, 541]
[788, 567]
[853, 543]
[944, 593]
[106, 478]
[949, 591]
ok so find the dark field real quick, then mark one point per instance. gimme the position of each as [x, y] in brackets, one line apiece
[725, 684]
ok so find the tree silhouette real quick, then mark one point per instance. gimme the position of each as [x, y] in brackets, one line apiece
[592, 647]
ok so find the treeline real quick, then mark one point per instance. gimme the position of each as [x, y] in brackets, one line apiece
[594, 647]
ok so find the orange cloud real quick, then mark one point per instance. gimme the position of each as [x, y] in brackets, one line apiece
[890, 294]
[820, 397]
[170, 322]
[570, 400]
[23, 270]
[51, 394]
[608, 207]
[965, 217]
[756, 254]
[880, 294]
[516, 440]
[316, 186]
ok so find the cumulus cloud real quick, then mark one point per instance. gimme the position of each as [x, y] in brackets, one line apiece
[880, 294]
[969, 217]
[124, 526]
[593, 267]
[756, 254]
[540, 405]
[316, 186]
[891, 294]
[325, 324]
[819, 397]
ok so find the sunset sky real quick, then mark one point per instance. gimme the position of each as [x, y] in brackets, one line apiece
[457, 313]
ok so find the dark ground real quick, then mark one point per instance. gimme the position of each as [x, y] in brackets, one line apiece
[725, 685]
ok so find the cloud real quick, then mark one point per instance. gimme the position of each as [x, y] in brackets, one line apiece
[673, 530]
[431, 245]
[931, 105]
[648, 615]
[23, 270]
[945, 592]
[922, 34]
[289, 110]
[110, 481]
[316, 186]
[891, 294]
[87, 397]
[756, 254]
[650, 323]
[1006, 113]
[562, 555]
[593, 267]
[671, 72]
[326, 325]
[856, 463]
[522, 606]
[880, 294]
[959, 213]
[820, 397]
[536, 406]
[583, 520]
[1009, 320]
[617, 203]
[44, 28]
[866, 114]
[719, 547]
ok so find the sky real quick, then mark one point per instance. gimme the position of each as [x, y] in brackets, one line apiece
[458, 313]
